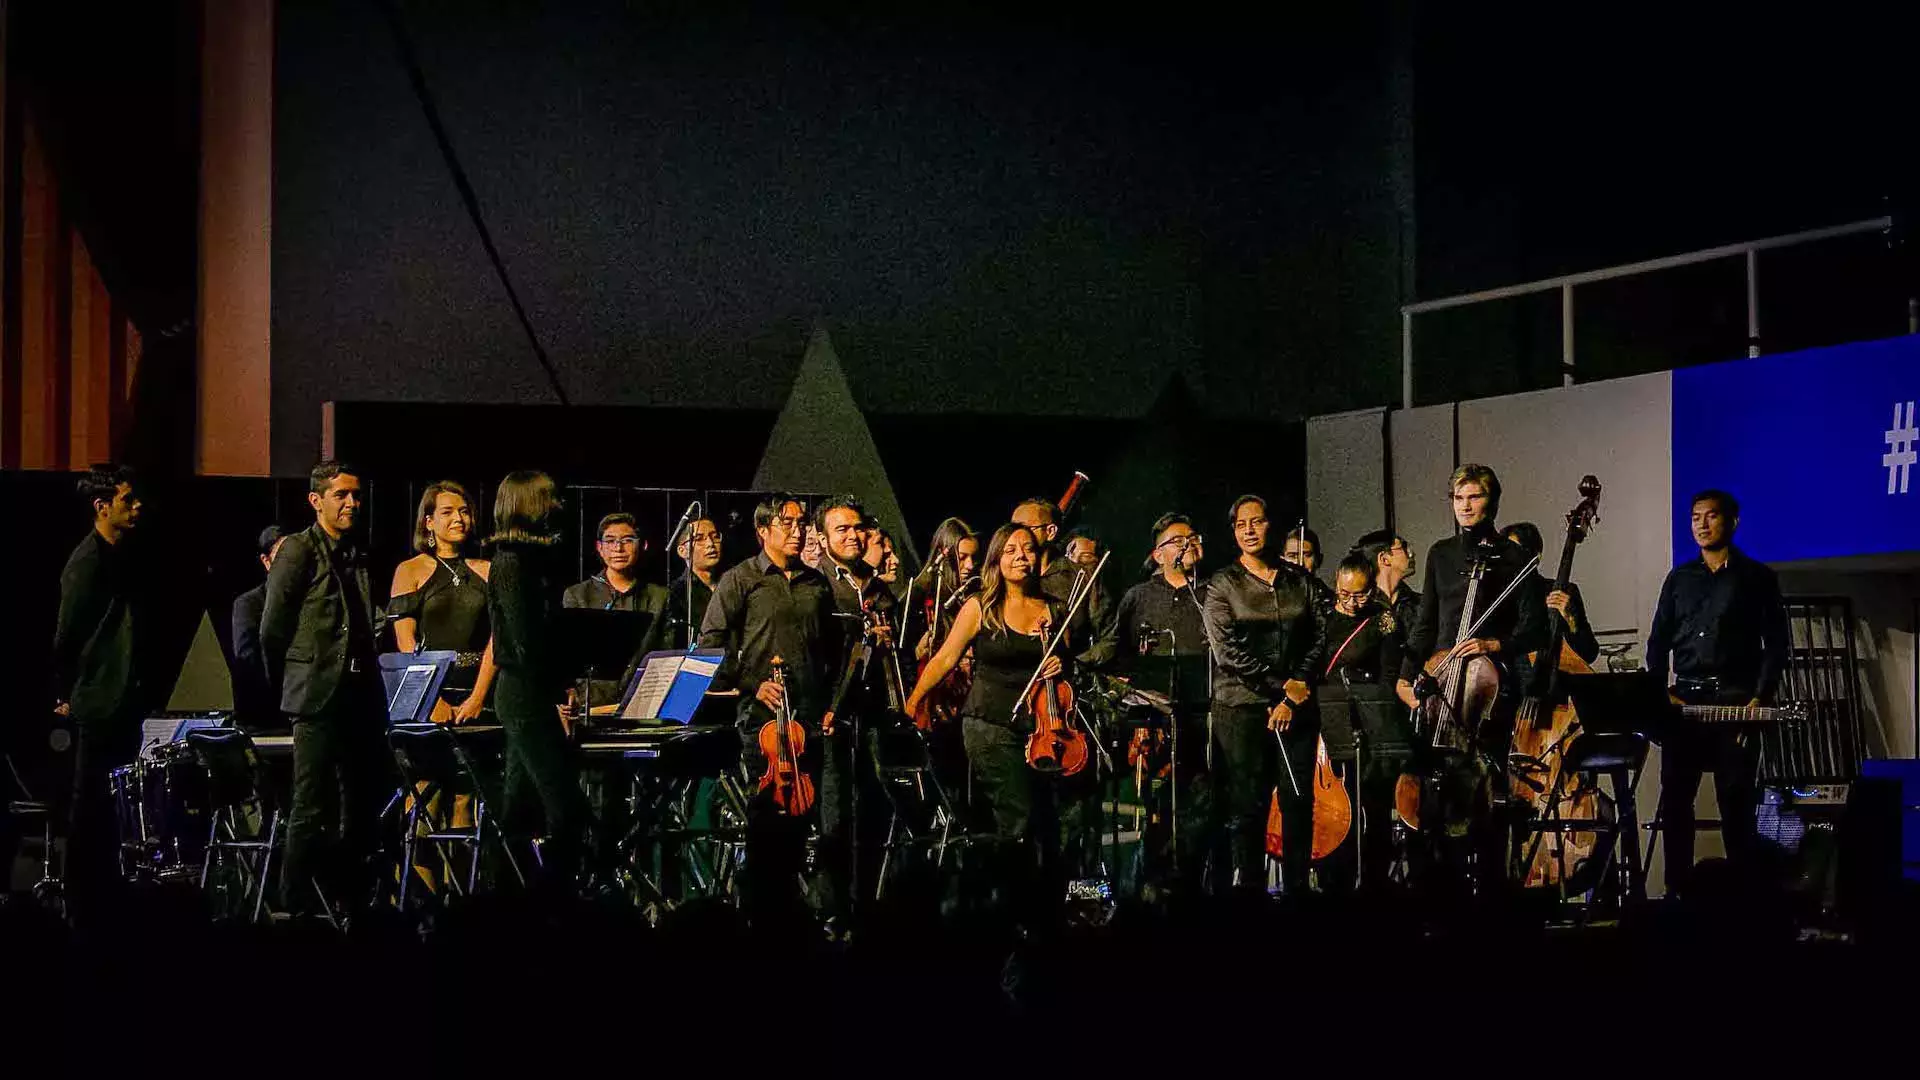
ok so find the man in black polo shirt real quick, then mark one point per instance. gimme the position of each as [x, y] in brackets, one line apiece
[617, 587]
[1393, 566]
[769, 606]
[1721, 628]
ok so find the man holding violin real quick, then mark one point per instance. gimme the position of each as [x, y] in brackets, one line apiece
[774, 606]
[864, 692]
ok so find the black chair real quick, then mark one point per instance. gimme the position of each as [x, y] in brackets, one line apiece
[244, 834]
[1620, 758]
[434, 767]
[50, 889]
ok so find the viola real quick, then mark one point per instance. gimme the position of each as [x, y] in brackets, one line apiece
[783, 740]
[1332, 809]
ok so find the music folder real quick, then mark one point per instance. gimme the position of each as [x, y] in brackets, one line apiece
[413, 682]
[670, 686]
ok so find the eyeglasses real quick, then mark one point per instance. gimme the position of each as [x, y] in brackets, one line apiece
[1190, 540]
[620, 541]
[790, 525]
[1356, 597]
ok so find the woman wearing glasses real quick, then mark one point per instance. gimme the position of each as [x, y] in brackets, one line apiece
[1269, 638]
[439, 600]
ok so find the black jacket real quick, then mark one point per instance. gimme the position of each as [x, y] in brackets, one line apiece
[523, 604]
[253, 700]
[308, 636]
[94, 666]
[1263, 635]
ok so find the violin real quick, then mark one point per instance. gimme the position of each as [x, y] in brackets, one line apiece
[944, 702]
[1332, 809]
[1056, 746]
[783, 740]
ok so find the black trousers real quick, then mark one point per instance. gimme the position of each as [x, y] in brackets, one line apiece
[1030, 813]
[1174, 847]
[540, 789]
[93, 871]
[343, 776]
[1688, 753]
[772, 881]
[1247, 775]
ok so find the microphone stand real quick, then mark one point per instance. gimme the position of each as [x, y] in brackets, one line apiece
[686, 516]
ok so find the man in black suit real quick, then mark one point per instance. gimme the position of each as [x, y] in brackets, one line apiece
[317, 635]
[255, 706]
[96, 679]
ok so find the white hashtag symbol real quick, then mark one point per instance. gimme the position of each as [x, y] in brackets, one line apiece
[1900, 456]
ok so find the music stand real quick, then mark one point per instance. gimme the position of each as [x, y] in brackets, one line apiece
[600, 645]
[670, 687]
[413, 682]
[1627, 702]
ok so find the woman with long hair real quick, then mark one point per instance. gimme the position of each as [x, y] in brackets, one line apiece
[1269, 638]
[439, 600]
[524, 604]
[1007, 626]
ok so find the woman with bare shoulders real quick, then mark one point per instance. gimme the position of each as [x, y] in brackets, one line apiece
[439, 600]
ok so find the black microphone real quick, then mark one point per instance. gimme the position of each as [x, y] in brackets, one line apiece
[673, 538]
[961, 592]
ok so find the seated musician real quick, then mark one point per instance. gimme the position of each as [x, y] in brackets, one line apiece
[1393, 566]
[1567, 606]
[617, 587]
[701, 549]
[439, 600]
[1721, 628]
[1159, 621]
[1514, 628]
[254, 707]
[773, 605]
[1303, 549]
[1364, 643]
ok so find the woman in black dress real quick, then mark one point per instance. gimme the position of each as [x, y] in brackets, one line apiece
[1007, 627]
[439, 600]
[542, 778]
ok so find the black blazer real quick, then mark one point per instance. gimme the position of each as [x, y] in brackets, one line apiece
[253, 700]
[304, 633]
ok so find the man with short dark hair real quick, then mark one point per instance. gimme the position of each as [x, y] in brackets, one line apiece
[254, 706]
[700, 547]
[96, 680]
[617, 587]
[774, 606]
[1393, 566]
[318, 630]
[1302, 549]
[1721, 627]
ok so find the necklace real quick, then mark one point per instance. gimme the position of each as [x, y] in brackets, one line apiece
[458, 580]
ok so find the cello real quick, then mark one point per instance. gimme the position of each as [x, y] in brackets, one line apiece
[1332, 806]
[782, 741]
[1547, 725]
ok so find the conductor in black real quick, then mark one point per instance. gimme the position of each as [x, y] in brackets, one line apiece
[317, 636]
[1722, 627]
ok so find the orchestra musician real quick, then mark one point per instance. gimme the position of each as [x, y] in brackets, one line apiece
[1566, 606]
[97, 642]
[1393, 566]
[1268, 634]
[1082, 549]
[951, 575]
[1721, 628]
[1364, 644]
[1512, 630]
[769, 606]
[1158, 622]
[1007, 626]
[319, 631]
[700, 547]
[254, 707]
[439, 600]
[880, 554]
[542, 784]
[1302, 549]
[863, 693]
[617, 587]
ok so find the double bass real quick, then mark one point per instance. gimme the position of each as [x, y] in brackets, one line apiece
[1546, 727]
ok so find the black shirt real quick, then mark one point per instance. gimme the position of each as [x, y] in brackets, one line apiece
[677, 614]
[1157, 606]
[1363, 648]
[93, 637]
[1092, 623]
[849, 594]
[254, 705]
[1730, 625]
[1581, 638]
[1519, 623]
[1263, 635]
[758, 613]
[1405, 605]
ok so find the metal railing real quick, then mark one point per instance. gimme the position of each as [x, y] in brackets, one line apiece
[1565, 284]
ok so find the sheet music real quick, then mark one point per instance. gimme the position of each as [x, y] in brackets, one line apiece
[412, 692]
[701, 665]
[655, 681]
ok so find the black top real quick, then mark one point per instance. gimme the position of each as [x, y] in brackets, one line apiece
[1153, 605]
[93, 636]
[1405, 605]
[678, 618]
[253, 704]
[758, 613]
[523, 603]
[1581, 638]
[1519, 623]
[1363, 648]
[1730, 625]
[1263, 635]
[1003, 661]
[450, 607]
